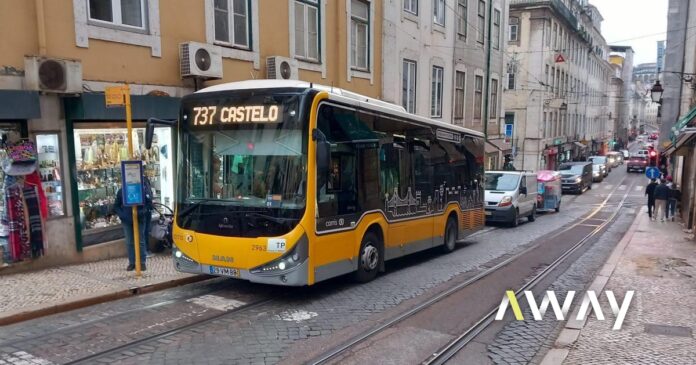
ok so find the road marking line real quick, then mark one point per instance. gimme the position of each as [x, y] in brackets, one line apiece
[622, 187]
[608, 186]
[216, 302]
[639, 187]
[21, 357]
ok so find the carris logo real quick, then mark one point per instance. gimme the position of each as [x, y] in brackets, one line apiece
[590, 298]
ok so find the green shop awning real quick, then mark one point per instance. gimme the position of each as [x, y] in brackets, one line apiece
[683, 122]
[19, 104]
[92, 106]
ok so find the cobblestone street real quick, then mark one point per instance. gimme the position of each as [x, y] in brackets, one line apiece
[270, 332]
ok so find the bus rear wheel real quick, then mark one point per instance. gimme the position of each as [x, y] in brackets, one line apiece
[369, 258]
[450, 235]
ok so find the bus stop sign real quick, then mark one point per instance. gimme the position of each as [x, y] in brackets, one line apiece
[652, 172]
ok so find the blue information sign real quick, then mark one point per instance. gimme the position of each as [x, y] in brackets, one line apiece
[132, 182]
[508, 132]
[652, 172]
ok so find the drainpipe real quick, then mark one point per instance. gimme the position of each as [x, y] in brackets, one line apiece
[488, 71]
[41, 26]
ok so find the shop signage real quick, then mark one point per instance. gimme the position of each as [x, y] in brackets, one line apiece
[115, 96]
[132, 189]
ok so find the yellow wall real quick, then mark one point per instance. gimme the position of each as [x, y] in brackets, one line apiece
[180, 21]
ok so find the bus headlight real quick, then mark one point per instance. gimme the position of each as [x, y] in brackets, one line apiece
[291, 259]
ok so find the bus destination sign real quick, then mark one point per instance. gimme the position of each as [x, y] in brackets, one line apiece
[212, 115]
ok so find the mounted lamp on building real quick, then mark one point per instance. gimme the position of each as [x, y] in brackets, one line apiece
[656, 92]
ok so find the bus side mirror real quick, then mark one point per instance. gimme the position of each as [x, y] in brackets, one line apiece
[150, 129]
[323, 157]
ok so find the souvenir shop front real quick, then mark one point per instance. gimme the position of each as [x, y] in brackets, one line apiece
[25, 199]
[98, 142]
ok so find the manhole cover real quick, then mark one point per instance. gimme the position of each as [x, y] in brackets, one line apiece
[658, 329]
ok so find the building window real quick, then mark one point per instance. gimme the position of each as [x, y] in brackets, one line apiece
[459, 82]
[478, 97]
[411, 6]
[514, 29]
[436, 92]
[125, 13]
[554, 36]
[360, 30]
[494, 100]
[408, 88]
[232, 23]
[496, 29]
[307, 29]
[463, 11]
[481, 21]
[511, 81]
[439, 12]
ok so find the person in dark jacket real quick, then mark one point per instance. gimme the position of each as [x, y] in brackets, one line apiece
[661, 196]
[125, 213]
[650, 192]
[674, 197]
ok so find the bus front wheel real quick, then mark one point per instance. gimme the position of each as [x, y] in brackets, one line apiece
[368, 258]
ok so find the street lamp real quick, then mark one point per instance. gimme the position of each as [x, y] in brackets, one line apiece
[656, 92]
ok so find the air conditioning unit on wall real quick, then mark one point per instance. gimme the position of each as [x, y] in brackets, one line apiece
[200, 60]
[282, 68]
[53, 75]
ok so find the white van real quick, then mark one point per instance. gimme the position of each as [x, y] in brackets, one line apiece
[510, 195]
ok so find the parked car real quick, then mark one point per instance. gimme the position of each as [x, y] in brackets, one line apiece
[510, 195]
[576, 176]
[603, 161]
[637, 163]
[597, 175]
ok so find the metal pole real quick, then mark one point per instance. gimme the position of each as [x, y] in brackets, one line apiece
[136, 235]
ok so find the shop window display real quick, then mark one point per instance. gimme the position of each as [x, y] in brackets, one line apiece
[24, 207]
[99, 153]
[51, 172]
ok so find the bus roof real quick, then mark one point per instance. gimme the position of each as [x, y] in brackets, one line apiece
[337, 94]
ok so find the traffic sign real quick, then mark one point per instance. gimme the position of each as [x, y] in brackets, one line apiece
[652, 172]
[560, 58]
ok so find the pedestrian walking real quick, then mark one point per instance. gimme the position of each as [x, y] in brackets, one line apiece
[125, 213]
[650, 193]
[661, 197]
[674, 197]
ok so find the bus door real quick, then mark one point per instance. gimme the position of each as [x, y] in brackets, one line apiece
[410, 227]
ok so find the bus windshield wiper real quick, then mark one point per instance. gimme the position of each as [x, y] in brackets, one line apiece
[271, 218]
[193, 207]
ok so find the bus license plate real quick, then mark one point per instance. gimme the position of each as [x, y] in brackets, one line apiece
[489, 213]
[224, 271]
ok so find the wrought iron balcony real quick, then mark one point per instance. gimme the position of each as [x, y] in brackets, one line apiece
[556, 5]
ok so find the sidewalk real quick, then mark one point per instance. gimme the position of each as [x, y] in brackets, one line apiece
[657, 261]
[39, 293]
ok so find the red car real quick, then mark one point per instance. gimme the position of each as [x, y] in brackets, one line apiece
[652, 137]
[636, 163]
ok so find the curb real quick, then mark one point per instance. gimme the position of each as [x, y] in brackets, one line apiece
[26, 314]
[571, 331]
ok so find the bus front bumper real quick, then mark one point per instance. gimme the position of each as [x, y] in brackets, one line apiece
[296, 276]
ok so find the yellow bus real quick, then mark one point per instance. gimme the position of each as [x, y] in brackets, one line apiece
[290, 183]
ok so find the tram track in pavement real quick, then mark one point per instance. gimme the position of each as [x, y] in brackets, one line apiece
[149, 323]
[594, 223]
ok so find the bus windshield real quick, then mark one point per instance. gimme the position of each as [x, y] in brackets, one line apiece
[244, 159]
